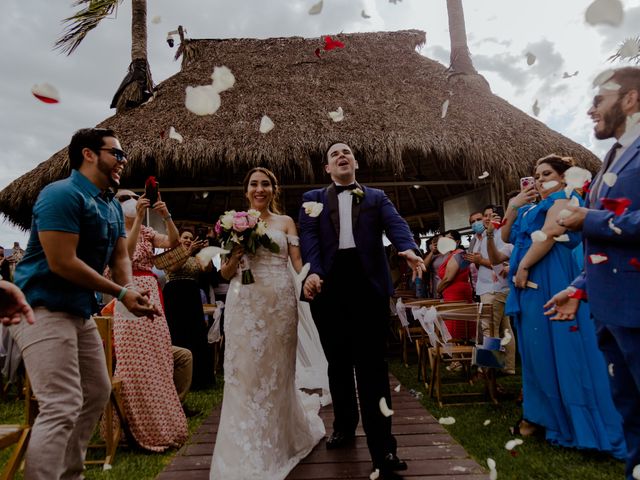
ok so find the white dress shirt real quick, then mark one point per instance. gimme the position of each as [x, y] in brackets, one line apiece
[345, 203]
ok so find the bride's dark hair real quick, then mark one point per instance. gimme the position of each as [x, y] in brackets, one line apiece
[274, 204]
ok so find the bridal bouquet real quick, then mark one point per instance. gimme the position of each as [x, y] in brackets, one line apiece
[247, 230]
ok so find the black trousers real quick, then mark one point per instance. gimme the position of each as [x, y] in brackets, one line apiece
[353, 323]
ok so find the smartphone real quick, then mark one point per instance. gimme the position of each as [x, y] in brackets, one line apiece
[151, 187]
[499, 210]
[526, 182]
[201, 233]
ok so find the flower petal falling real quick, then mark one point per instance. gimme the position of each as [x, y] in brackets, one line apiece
[535, 108]
[616, 230]
[562, 238]
[397, 389]
[511, 444]
[603, 77]
[506, 339]
[175, 135]
[538, 236]
[484, 175]
[616, 205]
[45, 92]
[202, 100]
[610, 178]
[384, 409]
[575, 178]
[550, 184]
[364, 14]
[316, 8]
[446, 420]
[337, 116]
[375, 474]
[486, 422]
[445, 107]
[531, 58]
[266, 124]
[605, 12]
[446, 245]
[596, 258]
[222, 78]
[156, 19]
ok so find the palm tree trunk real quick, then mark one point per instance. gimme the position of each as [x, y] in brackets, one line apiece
[460, 60]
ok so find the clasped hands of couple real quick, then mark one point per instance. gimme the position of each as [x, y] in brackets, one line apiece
[312, 285]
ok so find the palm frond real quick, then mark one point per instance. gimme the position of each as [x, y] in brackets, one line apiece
[85, 20]
[629, 44]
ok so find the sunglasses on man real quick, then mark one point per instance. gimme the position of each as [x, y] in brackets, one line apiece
[124, 198]
[120, 155]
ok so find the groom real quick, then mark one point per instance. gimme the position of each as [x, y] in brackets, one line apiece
[350, 285]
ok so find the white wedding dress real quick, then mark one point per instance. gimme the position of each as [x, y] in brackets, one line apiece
[266, 424]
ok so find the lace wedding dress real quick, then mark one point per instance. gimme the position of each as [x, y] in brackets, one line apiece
[266, 424]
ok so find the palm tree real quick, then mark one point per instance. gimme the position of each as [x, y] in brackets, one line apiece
[137, 85]
[629, 49]
[460, 59]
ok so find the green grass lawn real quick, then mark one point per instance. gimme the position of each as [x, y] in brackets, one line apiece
[129, 463]
[535, 459]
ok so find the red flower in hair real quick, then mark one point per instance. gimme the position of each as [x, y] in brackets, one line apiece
[616, 205]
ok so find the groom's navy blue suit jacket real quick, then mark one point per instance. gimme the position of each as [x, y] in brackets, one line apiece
[371, 216]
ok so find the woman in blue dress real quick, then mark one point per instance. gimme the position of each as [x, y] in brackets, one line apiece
[564, 375]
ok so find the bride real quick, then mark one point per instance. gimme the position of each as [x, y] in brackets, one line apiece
[266, 425]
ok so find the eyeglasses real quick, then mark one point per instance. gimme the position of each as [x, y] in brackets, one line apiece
[124, 198]
[116, 152]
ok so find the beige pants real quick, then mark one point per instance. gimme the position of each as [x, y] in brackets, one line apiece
[498, 325]
[65, 361]
[182, 370]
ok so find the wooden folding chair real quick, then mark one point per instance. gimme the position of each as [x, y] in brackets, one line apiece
[442, 355]
[10, 435]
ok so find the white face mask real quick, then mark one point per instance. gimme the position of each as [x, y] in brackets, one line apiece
[129, 208]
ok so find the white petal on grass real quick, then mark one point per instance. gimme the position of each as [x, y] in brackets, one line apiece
[374, 475]
[610, 178]
[506, 339]
[486, 422]
[538, 236]
[222, 79]
[156, 19]
[493, 474]
[175, 135]
[562, 238]
[266, 124]
[531, 58]
[446, 421]
[46, 92]
[616, 230]
[397, 389]
[445, 107]
[535, 108]
[607, 12]
[629, 48]
[596, 258]
[202, 100]
[458, 468]
[364, 14]
[316, 8]
[446, 245]
[384, 409]
[106, 466]
[550, 184]
[491, 463]
[602, 77]
[484, 175]
[337, 116]
[511, 444]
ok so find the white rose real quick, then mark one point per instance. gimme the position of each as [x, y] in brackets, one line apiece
[312, 209]
[261, 228]
[253, 212]
[227, 219]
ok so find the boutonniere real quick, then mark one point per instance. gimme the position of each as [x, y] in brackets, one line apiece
[312, 209]
[358, 195]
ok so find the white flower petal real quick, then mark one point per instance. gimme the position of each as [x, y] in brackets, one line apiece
[597, 258]
[386, 411]
[375, 475]
[266, 124]
[535, 108]
[446, 245]
[202, 100]
[445, 107]
[531, 58]
[484, 175]
[316, 8]
[364, 14]
[564, 213]
[458, 468]
[45, 92]
[610, 369]
[612, 86]
[602, 77]
[156, 19]
[207, 254]
[562, 238]
[175, 135]
[447, 420]
[491, 463]
[337, 116]
[313, 209]
[511, 444]
[576, 177]
[550, 184]
[538, 236]
[222, 79]
[630, 48]
[610, 178]
[574, 202]
[506, 339]
[607, 12]
[106, 466]
[486, 422]
[397, 389]
[616, 230]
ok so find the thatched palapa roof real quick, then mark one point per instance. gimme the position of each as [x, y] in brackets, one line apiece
[392, 98]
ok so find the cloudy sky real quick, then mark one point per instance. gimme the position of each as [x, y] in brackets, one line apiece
[500, 34]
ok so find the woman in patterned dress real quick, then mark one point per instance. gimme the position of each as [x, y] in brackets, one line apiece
[144, 359]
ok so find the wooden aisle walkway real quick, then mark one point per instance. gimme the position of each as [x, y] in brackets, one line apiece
[426, 446]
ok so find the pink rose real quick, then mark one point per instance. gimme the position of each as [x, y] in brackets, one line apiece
[218, 228]
[252, 221]
[240, 223]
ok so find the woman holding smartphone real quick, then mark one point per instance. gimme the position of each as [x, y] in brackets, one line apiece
[566, 392]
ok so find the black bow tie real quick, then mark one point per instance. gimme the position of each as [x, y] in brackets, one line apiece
[342, 188]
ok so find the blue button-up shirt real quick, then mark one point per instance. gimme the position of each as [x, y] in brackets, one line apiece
[73, 205]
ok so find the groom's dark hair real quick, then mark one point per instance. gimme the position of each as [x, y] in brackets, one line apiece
[325, 157]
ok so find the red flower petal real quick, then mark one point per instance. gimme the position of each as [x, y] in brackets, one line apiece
[330, 44]
[317, 52]
[616, 205]
[635, 263]
[585, 186]
[579, 294]
[574, 328]
[44, 99]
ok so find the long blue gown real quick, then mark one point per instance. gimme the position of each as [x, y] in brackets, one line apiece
[564, 375]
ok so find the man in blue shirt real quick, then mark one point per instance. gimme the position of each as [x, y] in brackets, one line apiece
[76, 231]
